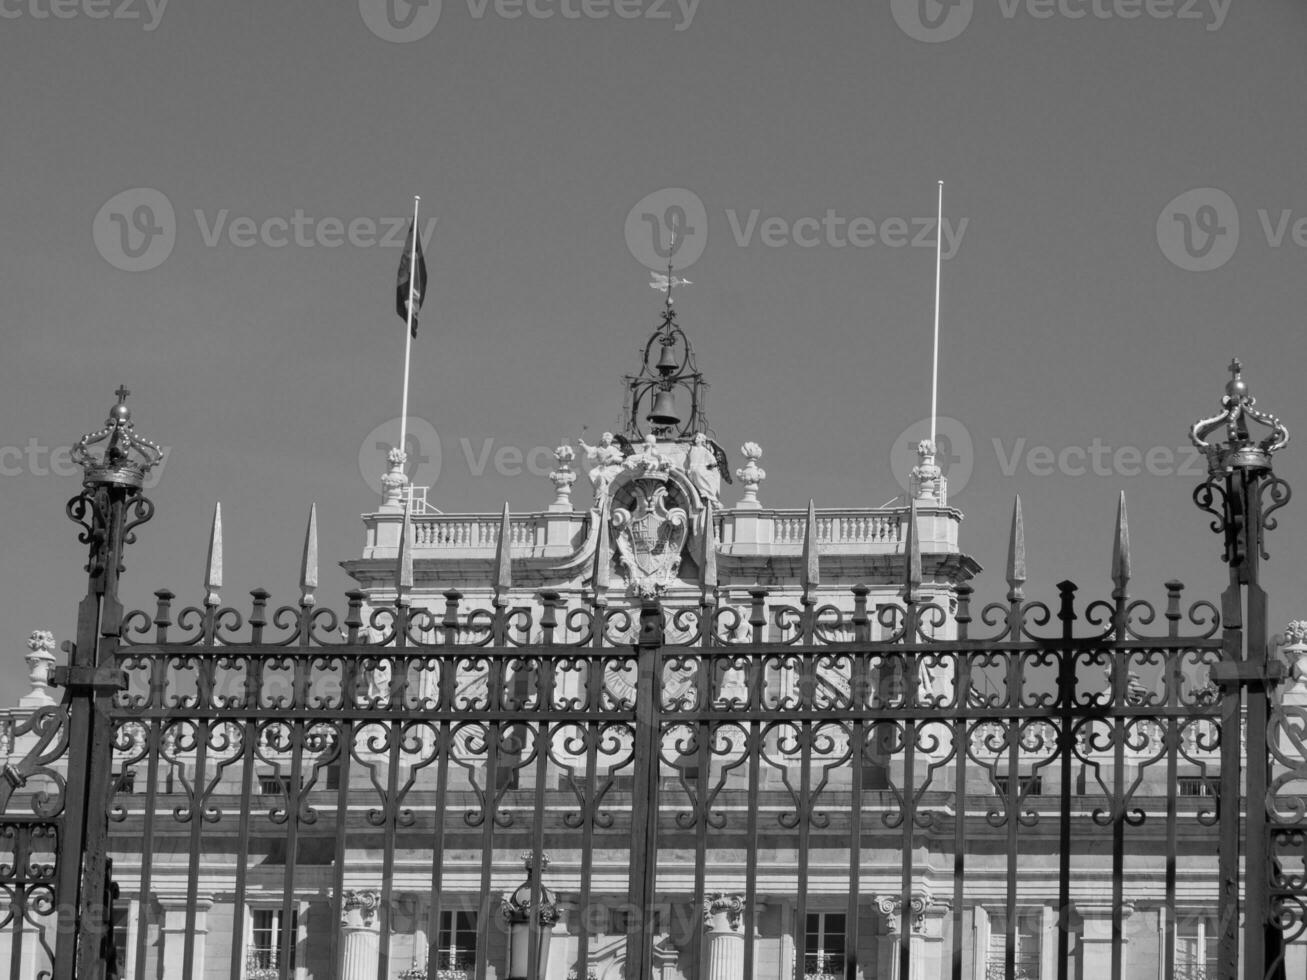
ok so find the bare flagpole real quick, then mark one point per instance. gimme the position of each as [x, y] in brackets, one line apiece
[934, 364]
[408, 334]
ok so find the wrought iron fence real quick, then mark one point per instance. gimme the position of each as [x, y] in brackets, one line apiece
[697, 789]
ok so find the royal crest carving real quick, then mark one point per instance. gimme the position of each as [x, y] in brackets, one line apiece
[650, 530]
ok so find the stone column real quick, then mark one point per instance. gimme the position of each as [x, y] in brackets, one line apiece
[361, 945]
[922, 927]
[1096, 939]
[723, 919]
[173, 938]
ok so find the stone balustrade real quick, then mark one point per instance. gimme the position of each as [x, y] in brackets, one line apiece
[559, 533]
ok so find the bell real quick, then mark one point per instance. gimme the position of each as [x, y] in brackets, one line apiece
[664, 409]
[667, 363]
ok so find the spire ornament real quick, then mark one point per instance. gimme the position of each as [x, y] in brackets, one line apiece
[668, 369]
[1240, 451]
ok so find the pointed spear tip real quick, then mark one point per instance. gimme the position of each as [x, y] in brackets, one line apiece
[309, 559]
[1121, 546]
[404, 559]
[213, 563]
[1016, 554]
[504, 553]
[911, 554]
[811, 551]
[708, 559]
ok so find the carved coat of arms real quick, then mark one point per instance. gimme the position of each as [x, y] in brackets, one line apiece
[650, 532]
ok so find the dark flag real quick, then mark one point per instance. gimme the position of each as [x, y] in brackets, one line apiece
[404, 285]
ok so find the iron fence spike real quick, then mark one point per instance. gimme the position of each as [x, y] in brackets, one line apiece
[1121, 548]
[708, 557]
[404, 558]
[1016, 553]
[811, 571]
[309, 560]
[911, 556]
[504, 554]
[213, 563]
[603, 562]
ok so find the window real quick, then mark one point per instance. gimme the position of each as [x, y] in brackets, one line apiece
[1029, 785]
[270, 785]
[1195, 947]
[263, 955]
[126, 782]
[119, 922]
[457, 945]
[1199, 785]
[1026, 936]
[823, 945]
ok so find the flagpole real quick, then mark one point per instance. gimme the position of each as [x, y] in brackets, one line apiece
[408, 335]
[934, 362]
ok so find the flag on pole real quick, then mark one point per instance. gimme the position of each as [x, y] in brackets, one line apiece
[408, 285]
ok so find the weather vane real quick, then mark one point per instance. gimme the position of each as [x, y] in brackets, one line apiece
[669, 281]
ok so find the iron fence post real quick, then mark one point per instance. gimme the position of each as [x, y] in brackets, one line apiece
[1240, 475]
[109, 507]
[644, 798]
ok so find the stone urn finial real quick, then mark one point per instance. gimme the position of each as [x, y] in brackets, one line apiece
[751, 474]
[394, 481]
[563, 478]
[40, 661]
[927, 479]
[1294, 651]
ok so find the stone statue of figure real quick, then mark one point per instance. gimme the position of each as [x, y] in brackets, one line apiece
[607, 456]
[648, 458]
[705, 474]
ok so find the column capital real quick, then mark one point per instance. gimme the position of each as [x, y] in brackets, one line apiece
[358, 909]
[923, 909]
[723, 912]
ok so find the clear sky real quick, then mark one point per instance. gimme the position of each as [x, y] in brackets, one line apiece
[1091, 303]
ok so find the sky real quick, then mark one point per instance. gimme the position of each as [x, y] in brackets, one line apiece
[205, 202]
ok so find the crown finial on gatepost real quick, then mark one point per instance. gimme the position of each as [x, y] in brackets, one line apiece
[1240, 451]
[126, 457]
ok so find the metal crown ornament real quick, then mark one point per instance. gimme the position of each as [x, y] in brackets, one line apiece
[1241, 451]
[126, 456]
